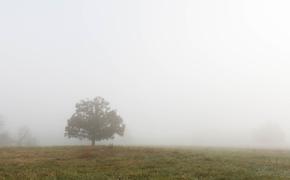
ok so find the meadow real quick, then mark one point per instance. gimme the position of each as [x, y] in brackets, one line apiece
[121, 162]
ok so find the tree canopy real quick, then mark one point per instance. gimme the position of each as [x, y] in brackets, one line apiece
[94, 120]
[5, 139]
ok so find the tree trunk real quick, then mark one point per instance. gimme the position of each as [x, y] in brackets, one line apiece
[93, 142]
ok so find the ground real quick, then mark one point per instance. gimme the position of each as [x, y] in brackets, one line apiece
[108, 162]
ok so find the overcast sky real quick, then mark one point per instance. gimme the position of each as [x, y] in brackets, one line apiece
[179, 72]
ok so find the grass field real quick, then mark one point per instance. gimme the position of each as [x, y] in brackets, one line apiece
[108, 162]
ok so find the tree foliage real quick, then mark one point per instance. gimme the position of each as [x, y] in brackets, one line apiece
[25, 138]
[5, 139]
[94, 120]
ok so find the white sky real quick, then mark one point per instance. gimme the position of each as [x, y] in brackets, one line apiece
[177, 71]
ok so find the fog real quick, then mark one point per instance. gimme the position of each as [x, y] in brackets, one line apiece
[194, 73]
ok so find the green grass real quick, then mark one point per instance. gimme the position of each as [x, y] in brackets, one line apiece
[107, 162]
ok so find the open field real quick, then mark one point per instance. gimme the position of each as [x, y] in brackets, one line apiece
[108, 162]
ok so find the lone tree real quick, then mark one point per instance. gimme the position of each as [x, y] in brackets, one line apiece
[94, 120]
[5, 139]
[25, 137]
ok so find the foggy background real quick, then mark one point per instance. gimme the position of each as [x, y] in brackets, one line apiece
[199, 72]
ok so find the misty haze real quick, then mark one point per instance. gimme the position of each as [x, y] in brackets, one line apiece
[198, 76]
